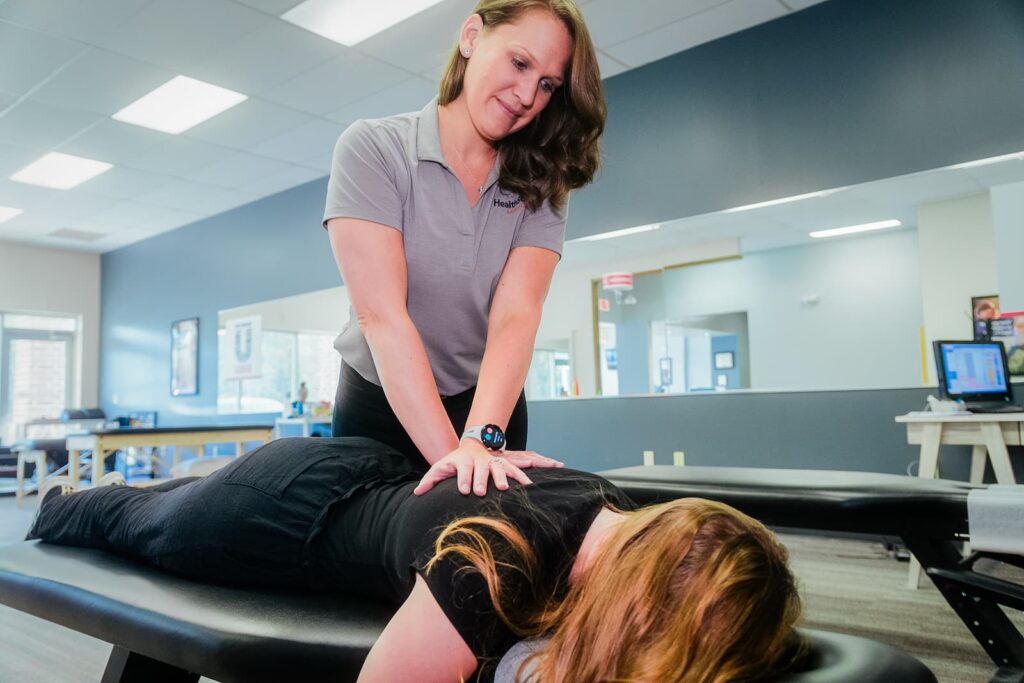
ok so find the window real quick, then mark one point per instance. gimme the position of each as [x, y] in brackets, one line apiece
[36, 369]
[288, 359]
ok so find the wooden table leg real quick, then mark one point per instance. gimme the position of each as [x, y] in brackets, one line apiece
[99, 458]
[927, 468]
[74, 464]
[978, 456]
[239, 448]
[993, 433]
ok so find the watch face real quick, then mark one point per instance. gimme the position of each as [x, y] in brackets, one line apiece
[493, 437]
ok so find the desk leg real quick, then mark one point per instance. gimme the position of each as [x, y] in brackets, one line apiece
[19, 491]
[978, 455]
[993, 433]
[99, 457]
[239, 449]
[927, 468]
[74, 464]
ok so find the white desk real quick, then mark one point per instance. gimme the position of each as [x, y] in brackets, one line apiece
[989, 434]
[305, 421]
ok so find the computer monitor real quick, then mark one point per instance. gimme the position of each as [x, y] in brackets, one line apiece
[973, 371]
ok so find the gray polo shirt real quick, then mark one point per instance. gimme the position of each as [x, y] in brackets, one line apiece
[391, 171]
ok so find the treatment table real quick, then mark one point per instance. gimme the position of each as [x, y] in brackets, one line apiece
[165, 628]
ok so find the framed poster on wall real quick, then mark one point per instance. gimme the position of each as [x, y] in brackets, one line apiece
[185, 357]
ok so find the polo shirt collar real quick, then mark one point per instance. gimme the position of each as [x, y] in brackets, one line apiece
[428, 142]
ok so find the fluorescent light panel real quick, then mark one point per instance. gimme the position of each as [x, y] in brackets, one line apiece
[179, 104]
[352, 21]
[617, 233]
[9, 212]
[850, 229]
[61, 171]
[783, 200]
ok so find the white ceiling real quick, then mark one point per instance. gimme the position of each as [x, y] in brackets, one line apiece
[67, 65]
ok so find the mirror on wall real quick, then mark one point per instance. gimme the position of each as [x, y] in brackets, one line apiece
[842, 289]
[273, 353]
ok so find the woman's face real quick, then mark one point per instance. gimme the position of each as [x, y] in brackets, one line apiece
[513, 71]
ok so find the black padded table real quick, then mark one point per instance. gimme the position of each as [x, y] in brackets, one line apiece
[168, 629]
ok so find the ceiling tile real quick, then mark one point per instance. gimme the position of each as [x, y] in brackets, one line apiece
[90, 21]
[609, 25]
[275, 7]
[176, 33]
[28, 57]
[714, 23]
[609, 65]
[336, 83]
[102, 82]
[122, 182]
[410, 95]
[13, 158]
[178, 155]
[265, 58]
[279, 182]
[201, 198]
[248, 124]
[301, 143]
[237, 170]
[114, 141]
[35, 124]
[126, 214]
[422, 40]
[797, 5]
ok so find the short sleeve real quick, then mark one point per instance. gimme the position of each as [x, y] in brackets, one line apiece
[544, 227]
[363, 181]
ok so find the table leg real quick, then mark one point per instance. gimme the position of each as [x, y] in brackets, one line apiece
[978, 455]
[927, 468]
[74, 463]
[239, 449]
[19, 492]
[993, 433]
[99, 457]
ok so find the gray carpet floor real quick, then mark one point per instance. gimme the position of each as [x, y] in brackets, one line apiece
[847, 586]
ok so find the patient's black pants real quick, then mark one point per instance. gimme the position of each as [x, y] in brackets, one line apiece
[362, 409]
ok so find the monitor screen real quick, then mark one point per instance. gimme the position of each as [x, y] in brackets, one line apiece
[973, 369]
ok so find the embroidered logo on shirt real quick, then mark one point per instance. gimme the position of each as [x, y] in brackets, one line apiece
[509, 205]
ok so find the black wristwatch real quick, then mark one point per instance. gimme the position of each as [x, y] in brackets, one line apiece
[490, 436]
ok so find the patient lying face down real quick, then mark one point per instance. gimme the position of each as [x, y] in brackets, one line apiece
[690, 590]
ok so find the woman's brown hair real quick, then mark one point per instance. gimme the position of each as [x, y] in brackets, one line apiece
[559, 150]
[690, 591]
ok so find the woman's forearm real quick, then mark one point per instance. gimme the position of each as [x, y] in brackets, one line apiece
[506, 362]
[408, 382]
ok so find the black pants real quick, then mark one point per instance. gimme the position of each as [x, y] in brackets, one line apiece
[362, 409]
[253, 521]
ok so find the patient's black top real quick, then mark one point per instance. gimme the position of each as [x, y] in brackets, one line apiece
[382, 536]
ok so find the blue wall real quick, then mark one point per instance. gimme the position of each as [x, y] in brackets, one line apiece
[838, 94]
[844, 92]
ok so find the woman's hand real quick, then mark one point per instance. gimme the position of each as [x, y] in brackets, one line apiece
[473, 464]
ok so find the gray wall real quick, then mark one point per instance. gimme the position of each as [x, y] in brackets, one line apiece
[838, 94]
[847, 430]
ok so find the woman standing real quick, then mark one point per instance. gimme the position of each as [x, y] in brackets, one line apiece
[446, 225]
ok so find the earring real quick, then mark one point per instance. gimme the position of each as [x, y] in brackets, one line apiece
[466, 52]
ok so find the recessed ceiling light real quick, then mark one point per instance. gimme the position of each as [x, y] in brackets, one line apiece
[836, 232]
[60, 171]
[179, 104]
[352, 21]
[783, 200]
[617, 233]
[9, 212]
